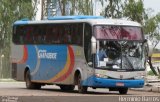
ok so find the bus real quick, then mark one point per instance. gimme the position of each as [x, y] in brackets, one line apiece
[67, 51]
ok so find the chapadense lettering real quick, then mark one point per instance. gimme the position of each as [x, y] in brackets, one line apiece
[43, 54]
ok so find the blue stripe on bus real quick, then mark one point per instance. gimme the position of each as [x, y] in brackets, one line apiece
[20, 22]
[74, 17]
[93, 81]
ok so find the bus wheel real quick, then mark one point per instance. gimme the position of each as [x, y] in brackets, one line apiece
[81, 89]
[29, 84]
[123, 90]
[67, 87]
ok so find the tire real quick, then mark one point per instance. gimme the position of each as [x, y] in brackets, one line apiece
[29, 84]
[67, 87]
[123, 90]
[81, 89]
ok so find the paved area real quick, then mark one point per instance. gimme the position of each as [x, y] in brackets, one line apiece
[17, 92]
[152, 85]
[19, 89]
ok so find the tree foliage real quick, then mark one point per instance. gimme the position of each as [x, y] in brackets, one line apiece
[75, 7]
[113, 8]
[134, 10]
[152, 27]
[10, 11]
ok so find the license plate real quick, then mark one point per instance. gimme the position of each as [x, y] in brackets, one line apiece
[119, 84]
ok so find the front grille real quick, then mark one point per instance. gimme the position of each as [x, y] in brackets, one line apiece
[121, 79]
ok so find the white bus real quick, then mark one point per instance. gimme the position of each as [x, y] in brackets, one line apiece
[88, 51]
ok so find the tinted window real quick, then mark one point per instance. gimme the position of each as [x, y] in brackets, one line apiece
[87, 42]
[118, 32]
[48, 34]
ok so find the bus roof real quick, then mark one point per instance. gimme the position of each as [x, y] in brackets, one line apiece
[93, 20]
[75, 17]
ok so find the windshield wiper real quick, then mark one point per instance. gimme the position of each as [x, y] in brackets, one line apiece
[129, 62]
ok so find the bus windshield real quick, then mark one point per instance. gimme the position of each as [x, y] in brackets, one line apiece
[120, 55]
[118, 32]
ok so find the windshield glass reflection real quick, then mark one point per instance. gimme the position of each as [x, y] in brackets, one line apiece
[120, 55]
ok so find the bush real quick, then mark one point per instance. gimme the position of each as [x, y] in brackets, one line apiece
[150, 73]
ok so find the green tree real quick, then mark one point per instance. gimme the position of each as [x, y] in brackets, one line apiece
[113, 8]
[75, 7]
[10, 11]
[134, 10]
[62, 6]
[151, 28]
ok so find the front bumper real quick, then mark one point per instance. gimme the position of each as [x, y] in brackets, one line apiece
[93, 81]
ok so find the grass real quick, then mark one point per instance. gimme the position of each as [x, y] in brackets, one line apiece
[150, 73]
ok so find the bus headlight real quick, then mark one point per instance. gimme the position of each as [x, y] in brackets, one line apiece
[101, 75]
[139, 77]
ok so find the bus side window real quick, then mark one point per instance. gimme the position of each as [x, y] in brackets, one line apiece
[35, 35]
[87, 43]
[19, 35]
[80, 34]
[67, 34]
[77, 34]
[28, 37]
[48, 34]
[74, 33]
[43, 34]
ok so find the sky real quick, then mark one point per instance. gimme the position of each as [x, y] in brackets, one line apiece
[154, 4]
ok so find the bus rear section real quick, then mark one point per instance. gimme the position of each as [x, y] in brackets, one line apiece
[44, 53]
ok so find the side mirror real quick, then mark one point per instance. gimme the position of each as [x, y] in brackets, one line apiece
[93, 45]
